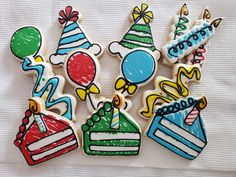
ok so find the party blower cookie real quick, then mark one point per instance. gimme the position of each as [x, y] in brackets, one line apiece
[72, 37]
[111, 131]
[44, 135]
[178, 126]
[26, 44]
[139, 34]
[191, 40]
[82, 70]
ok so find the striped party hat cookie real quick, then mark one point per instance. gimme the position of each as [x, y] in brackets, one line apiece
[139, 34]
[72, 37]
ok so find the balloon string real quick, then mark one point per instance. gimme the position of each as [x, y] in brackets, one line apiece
[91, 102]
[123, 91]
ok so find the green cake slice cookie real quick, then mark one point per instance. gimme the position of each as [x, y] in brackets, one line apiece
[99, 138]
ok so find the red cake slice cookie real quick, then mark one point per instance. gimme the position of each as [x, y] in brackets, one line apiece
[44, 135]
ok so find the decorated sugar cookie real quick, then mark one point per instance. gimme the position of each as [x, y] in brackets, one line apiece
[82, 71]
[72, 37]
[111, 131]
[179, 127]
[137, 68]
[44, 135]
[27, 41]
[25, 44]
[138, 36]
[180, 23]
[198, 56]
[167, 90]
[198, 35]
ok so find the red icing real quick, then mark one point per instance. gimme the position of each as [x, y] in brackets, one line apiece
[68, 15]
[25, 121]
[198, 55]
[19, 135]
[32, 134]
[51, 146]
[22, 128]
[17, 143]
[81, 68]
[28, 113]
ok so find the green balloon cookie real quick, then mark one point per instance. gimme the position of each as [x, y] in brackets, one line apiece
[25, 42]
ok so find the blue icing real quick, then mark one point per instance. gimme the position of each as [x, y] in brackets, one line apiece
[51, 84]
[72, 38]
[138, 66]
[151, 133]
[175, 149]
[195, 129]
[70, 27]
[176, 113]
[179, 138]
[188, 37]
[64, 51]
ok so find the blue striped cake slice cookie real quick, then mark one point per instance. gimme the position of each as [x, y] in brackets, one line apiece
[178, 126]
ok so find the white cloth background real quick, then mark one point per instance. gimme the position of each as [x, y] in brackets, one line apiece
[105, 21]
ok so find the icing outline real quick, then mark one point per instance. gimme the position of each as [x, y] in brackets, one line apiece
[71, 17]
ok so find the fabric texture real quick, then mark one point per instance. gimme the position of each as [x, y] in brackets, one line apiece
[103, 22]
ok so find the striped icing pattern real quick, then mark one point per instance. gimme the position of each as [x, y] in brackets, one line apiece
[192, 116]
[139, 35]
[115, 123]
[72, 38]
[169, 128]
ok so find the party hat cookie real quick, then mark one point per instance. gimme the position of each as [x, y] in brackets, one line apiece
[178, 126]
[72, 37]
[44, 135]
[111, 131]
[138, 36]
[27, 44]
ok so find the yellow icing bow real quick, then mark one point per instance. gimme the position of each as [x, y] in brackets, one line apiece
[137, 14]
[82, 93]
[121, 83]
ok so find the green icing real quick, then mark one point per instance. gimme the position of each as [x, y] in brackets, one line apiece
[143, 39]
[180, 27]
[117, 142]
[25, 42]
[100, 122]
[132, 46]
[141, 28]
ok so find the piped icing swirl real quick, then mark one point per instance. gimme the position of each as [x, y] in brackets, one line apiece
[176, 106]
